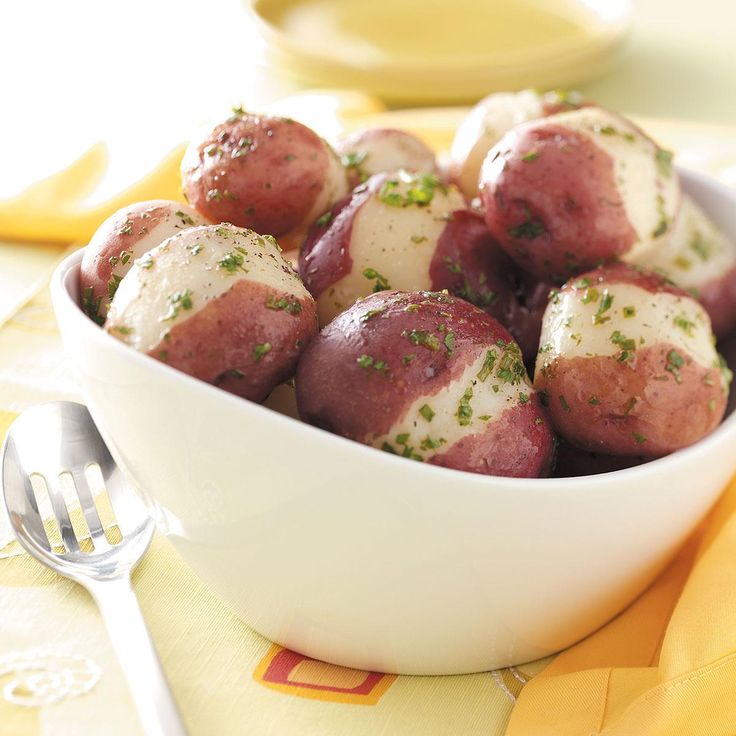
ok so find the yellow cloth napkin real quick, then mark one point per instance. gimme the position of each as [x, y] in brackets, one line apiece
[666, 665]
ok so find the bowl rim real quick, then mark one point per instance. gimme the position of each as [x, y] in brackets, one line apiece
[609, 32]
[67, 271]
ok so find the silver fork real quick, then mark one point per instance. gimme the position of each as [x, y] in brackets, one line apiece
[60, 439]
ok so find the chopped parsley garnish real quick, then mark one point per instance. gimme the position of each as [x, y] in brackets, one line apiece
[371, 313]
[112, 285]
[563, 403]
[91, 305]
[664, 221]
[664, 161]
[627, 345]
[127, 228]
[425, 339]
[184, 217]
[531, 156]
[324, 219]
[232, 262]
[629, 312]
[244, 145]
[211, 150]
[481, 300]
[523, 398]
[594, 400]
[464, 410]
[583, 283]
[367, 361]
[684, 324]
[603, 307]
[260, 350]
[372, 275]
[213, 194]
[511, 366]
[450, 342]
[711, 405]
[354, 159]
[630, 404]
[195, 248]
[177, 301]
[408, 358]
[124, 257]
[699, 245]
[290, 307]
[640, 439]
[527, 230]
[590, 295]
[420, 191]
[122, 329]
[426, 412]
[145, 262]
[418, 239]
[452, 267]
[429, 444]
[674, 362]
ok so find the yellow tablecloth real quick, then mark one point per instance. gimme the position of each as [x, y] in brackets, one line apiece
[667, 665]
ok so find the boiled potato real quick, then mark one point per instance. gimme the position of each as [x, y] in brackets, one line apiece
[702, 260]
[566, 193]
[219, 303]
[377, 150]
[124, 236]
[490, 120]
[429, 377]
[628, 364]
[271, 174]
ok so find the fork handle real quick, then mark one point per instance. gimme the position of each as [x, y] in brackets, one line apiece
[132, 643]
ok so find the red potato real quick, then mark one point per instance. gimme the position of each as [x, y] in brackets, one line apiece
[124, 236]
[429, 377]
[382, 237]
[218, 303]
[628, 364]
[702, 260]
[569, 192]
[271, 174]
[379, 150]
[490, 120]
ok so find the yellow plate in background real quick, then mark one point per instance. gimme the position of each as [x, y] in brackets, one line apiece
[430, 52]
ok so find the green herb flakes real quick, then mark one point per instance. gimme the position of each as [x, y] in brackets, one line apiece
[427, 412]
[260, 350]
[464, 410]
[425, 339]
[177, 301]
[372, 275]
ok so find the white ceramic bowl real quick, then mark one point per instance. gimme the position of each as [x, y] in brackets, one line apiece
[358, 557]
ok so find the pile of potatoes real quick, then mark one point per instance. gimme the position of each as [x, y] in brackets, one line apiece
[411, 301]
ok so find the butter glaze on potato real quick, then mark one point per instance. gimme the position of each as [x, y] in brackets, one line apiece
[378, 150]
[628, 365]
[429, 377]
[219, 303]
[119, 240]
[564, 194]
[273, 175]
[490, 120]
[702, 260]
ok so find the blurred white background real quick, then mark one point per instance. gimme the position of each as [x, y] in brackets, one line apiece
[141, 74]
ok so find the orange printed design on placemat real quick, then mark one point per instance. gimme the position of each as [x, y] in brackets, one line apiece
[294, 674]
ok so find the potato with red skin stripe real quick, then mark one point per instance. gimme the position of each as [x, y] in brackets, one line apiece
[566, 193]
[219, 303]
[628, 364]
[429, 377]
[271, 174]
[378, 150]
[126, 235]
[701, 259]
[490, 120]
